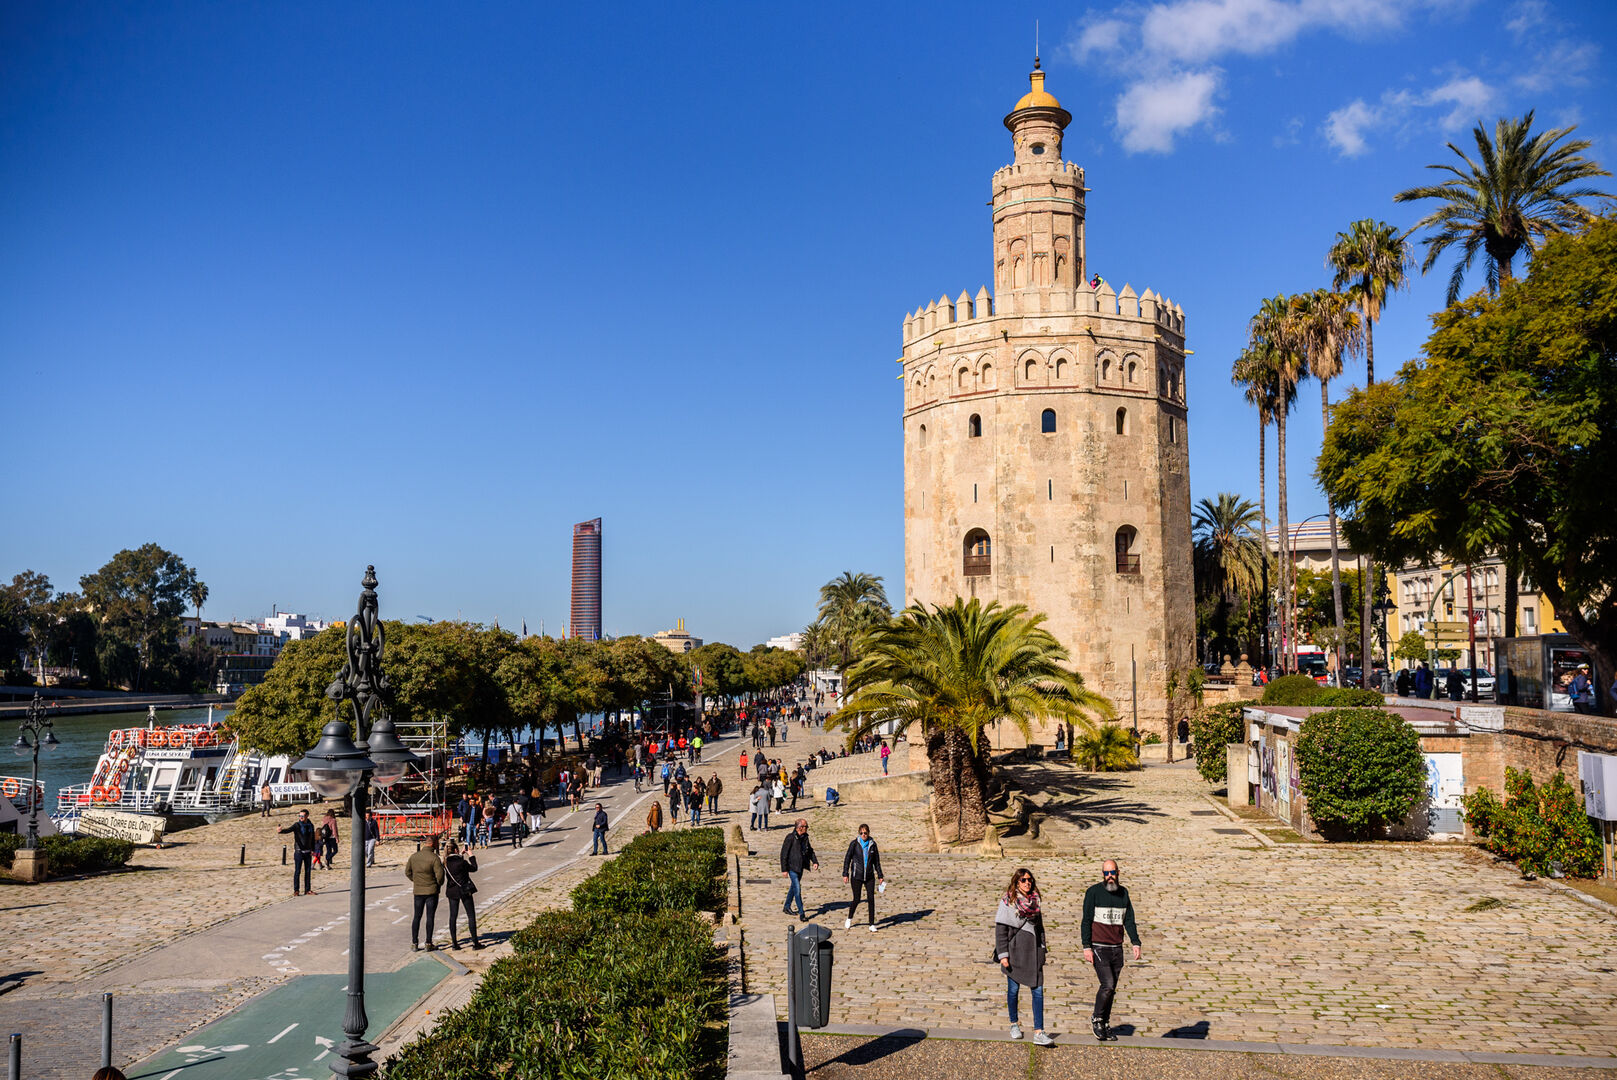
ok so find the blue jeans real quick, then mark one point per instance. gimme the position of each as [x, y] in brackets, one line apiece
[1012, 989]
[471, 833]
[794, 892]
[598, 843]
[302, 863]
[696, 812]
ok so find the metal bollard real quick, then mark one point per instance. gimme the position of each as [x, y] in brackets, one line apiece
[106, 1031]
[15, 1071]
[738, 886]
[794, 1045]
[243, 855]
[283, 854]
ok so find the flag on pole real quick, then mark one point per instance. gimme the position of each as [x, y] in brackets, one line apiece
[524, 627]
[698, 669]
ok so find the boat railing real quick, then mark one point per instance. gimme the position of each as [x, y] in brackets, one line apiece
[73, 800]
[15, 788]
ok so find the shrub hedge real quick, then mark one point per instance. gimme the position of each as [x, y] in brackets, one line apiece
[1303, 690]
[1212, 728]
[625, 986]
[1535, 828]
[1360, 768]
[65, 855]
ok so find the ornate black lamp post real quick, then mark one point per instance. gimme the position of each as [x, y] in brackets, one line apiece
[339, 765]
[36, 735]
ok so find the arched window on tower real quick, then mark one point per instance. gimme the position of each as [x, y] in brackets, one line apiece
[963, 377]
[1030, 371]
[1047, 421]
[985, 377]
[978, 561]
[1106, 369]
[1122, 421]
[1128, 561]
[1132, 367]
[974, 426]
[921, 435]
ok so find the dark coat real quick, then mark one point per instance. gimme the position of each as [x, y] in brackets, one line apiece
[1022, 941]
[796, 853]
[853, 863]
[458, 871]
[302, 834]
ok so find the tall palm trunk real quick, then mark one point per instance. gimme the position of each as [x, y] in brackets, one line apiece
[959, 809]
[1369, 575]
[1264, 650]
[1336, 559]
[1284, 562]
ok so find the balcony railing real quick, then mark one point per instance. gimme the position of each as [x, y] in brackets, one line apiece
[979, 565]
[1128, 564]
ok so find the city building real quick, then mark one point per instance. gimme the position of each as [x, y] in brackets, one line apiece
[1309, 545]
[677, 640]
[792, 642]
[1437, 593]
[290, 626]
[1045, 441]
[585, 620]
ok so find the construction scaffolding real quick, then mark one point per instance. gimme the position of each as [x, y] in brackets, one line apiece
[416, 805]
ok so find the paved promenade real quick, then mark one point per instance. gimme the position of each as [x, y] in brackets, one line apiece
[203, 935]
[1300, 943]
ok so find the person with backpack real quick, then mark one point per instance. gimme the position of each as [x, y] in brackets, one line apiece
[1019, 946]
[460, 888]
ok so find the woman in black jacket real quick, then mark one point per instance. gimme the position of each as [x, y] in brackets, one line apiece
[458, 873]
[861, 868]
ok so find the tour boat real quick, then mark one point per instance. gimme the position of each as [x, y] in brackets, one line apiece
[182, 774]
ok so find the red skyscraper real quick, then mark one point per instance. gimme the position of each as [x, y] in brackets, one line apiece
[586, 615]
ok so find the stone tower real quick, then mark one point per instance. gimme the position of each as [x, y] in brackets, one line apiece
[1045, 446]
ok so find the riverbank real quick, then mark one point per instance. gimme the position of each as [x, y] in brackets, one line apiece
[70, 702]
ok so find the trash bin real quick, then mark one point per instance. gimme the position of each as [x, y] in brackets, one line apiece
[811, 989]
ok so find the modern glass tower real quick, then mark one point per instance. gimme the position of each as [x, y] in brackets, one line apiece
[586, 613]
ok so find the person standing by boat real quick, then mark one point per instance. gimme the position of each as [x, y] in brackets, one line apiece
[303, 841]
[328, 838]
[266, 799]
[458, 873]
[425, 872]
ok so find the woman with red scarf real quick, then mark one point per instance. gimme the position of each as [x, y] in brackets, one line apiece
[1019, 948]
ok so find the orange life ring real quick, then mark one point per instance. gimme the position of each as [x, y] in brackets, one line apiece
[98, 794]
[157, 737]
[116, 738]
[9, 787]
[113, 792]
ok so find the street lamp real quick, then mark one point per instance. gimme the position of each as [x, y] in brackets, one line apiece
[31, 741]
[343, 765]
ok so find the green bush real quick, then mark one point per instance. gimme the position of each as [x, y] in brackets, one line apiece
[1290, 690]
[1151, 738]
[1212, 728]
[1538, 829]
[1344, 696]
[67, 855]
[625, 986]
[1360, 769]
[679, 871]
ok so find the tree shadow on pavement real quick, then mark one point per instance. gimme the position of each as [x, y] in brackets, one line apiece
[1082, 800]
[867, 1053]
[1198, 1030]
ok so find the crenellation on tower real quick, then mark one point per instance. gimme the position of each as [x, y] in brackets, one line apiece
[1045, 445]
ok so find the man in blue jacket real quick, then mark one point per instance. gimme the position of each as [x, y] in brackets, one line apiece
[598, 843]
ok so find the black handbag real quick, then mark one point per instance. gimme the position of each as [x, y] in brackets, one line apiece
[468, 887]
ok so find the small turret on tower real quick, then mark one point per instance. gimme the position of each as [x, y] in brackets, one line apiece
[1038, 207]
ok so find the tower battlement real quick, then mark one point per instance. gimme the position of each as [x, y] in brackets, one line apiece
[942, 313]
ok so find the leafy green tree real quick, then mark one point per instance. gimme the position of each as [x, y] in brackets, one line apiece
[139, 596]
[1369, 261]
[1501, 438]
[26, 623]
[851, 606]
[954, 671]
[724, 671]
[1212, 728]
[284, 713]
[1105, 748]
[1361, 769]
[1316, 606]
[1412, 646]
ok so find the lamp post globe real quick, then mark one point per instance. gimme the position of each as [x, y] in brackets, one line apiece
[393, 759]
[334, 765]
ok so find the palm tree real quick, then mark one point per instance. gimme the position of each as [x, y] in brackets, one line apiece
[1108, 748]
[199, 596]
[1276, 331]
[1329, 330]
[851, 605]
[1256, 374]
[1370, 260]
[1227, 544]
[951, 672]
[1514, 198]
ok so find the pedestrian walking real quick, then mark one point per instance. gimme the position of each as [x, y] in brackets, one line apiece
[861, 868]
[266, 799]
[673, 805]
[1423, 681]
[668, 776]
[328, 838]
[753, 812]
[303, 846]
[1020, 949]
[459, 887]
[796, 859]
[513, 818]
[886, 752]
[536, 809]
[468, 819]
[598, 832]
[654, 816]
[373, 834]
[698, 798]
[779, 790]
[696, 750]
[714, 786]
[425, 872]
[1108, 915]
[744, 760]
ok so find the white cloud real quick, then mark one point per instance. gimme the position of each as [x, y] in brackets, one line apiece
[1345, 128]
[1100, 36]
[1526, 17]
[1200, 30]
[1151, 113]
[1469, 96]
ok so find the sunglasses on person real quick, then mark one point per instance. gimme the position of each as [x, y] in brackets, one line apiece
[1108, 873]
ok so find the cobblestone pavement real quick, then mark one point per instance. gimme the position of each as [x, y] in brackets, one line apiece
[1368, 945]
[833, 1057]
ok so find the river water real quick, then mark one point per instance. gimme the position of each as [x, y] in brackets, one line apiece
[84, 738]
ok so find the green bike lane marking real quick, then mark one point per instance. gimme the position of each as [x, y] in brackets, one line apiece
[290, 1032]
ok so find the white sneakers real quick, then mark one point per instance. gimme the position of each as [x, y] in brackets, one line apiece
[847, 924]
[1041, 1039]
[1016, 1031]
[872, 928]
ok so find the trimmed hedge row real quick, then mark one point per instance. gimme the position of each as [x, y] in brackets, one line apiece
[1303, 690]
[601, 991]
[67, 855]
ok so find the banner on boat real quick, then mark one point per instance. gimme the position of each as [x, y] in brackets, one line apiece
[119, 825]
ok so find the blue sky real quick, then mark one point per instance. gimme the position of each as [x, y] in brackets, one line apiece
[289, 289]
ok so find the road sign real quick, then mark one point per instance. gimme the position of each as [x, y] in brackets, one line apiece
[1448, 627]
